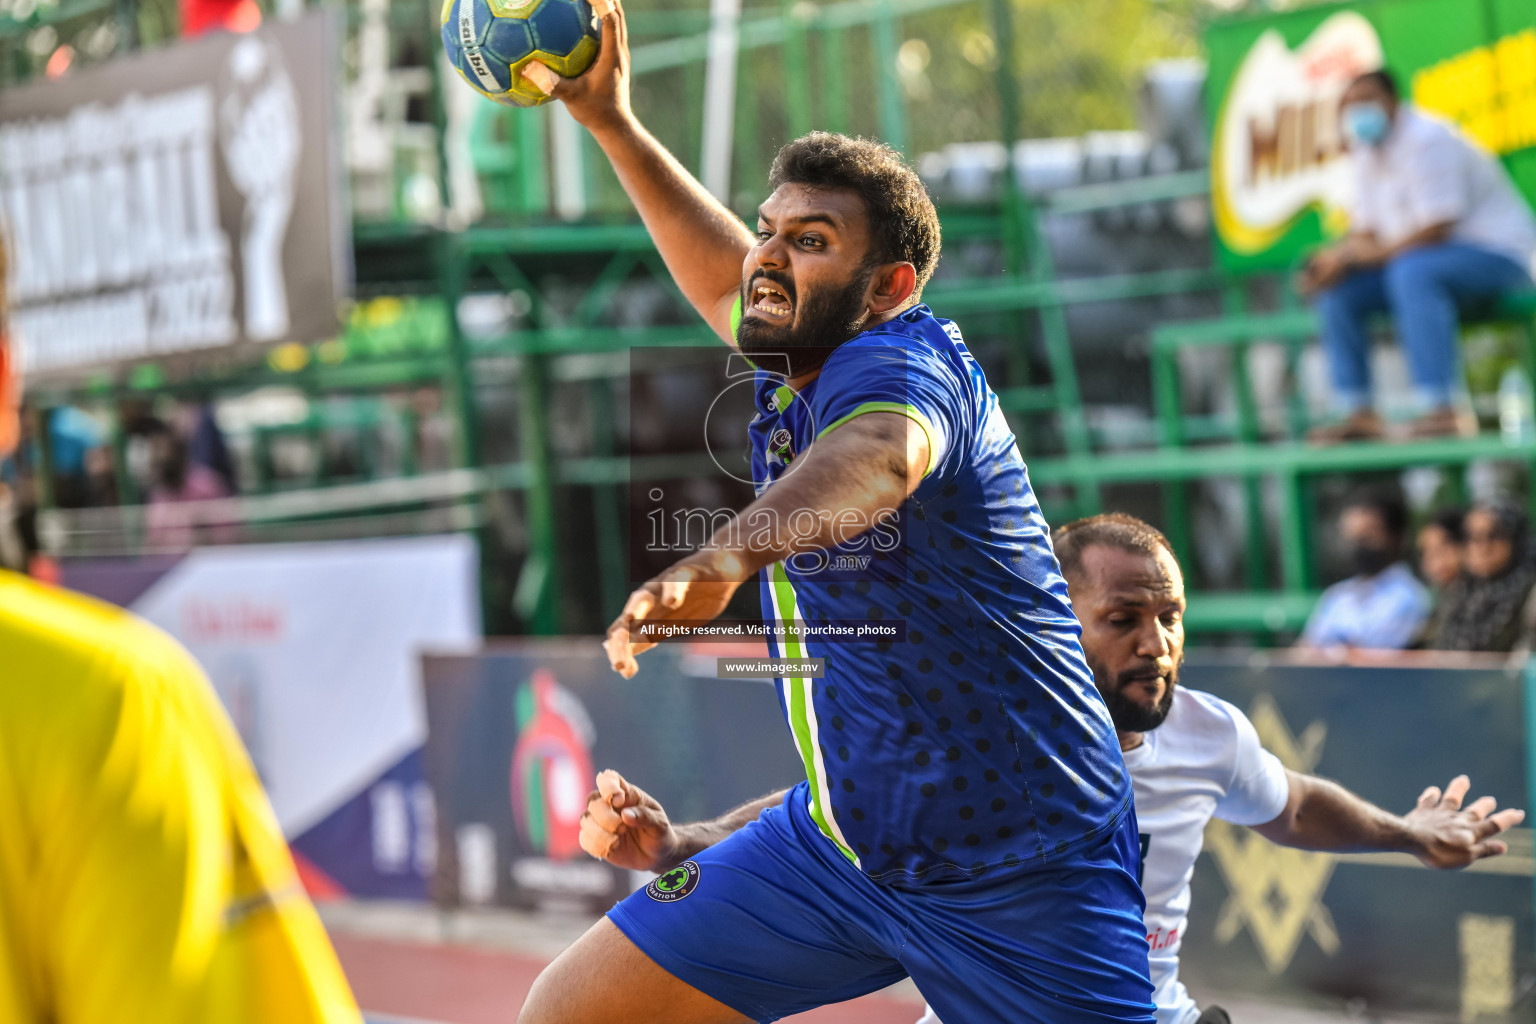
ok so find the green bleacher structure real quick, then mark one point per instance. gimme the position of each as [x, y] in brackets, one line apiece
[520, 246]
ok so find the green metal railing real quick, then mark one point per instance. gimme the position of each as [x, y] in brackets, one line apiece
[514, 250]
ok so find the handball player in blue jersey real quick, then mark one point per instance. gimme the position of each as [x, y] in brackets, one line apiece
[966, 817]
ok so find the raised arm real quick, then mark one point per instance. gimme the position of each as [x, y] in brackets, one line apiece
[702, 242]
[1322, 815]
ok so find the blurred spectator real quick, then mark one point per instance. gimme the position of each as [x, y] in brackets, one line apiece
[208, 448]
[1483, 608]
[1382, 606]
[82, 464]
[434, 431]
[1442, 547]
[176, 480]
[13, 551]
[1437, 230]
[199, 17]
[1442, 559]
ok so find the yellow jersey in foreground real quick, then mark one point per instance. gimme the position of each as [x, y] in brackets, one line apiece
[143, 877]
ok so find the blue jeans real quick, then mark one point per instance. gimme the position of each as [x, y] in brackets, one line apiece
[1425, 290]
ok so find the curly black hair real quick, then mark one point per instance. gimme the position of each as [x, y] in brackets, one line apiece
[904, 226]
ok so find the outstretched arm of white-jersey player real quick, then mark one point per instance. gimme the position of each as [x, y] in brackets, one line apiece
[1322, 815]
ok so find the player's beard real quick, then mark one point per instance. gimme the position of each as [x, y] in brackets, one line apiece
[1132, 715]
[816, 328]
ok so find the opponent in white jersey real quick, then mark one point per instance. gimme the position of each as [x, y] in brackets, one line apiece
[1193, 756]
[1203, 762]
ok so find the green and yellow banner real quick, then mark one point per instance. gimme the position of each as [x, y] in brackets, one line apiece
[1281, 178]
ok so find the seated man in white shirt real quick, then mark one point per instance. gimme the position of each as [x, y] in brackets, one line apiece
[1437, 231]
[1382, 606]
[1191, 756]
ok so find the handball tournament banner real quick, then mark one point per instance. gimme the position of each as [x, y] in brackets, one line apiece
[182, 200]
[314, 650]
[1375, 929]
[1281, 180]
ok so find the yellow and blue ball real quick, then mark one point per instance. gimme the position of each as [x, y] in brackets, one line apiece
[491, 41]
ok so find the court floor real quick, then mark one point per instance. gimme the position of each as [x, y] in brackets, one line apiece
[410, 964]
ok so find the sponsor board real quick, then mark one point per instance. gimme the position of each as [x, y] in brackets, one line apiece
[314, 651]
[1378, 930]
[518, 731]
[1277, 147]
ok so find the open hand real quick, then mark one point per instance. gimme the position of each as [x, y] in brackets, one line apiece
[600, 96]
[1448, 835]
[695, 589]
[625, 826]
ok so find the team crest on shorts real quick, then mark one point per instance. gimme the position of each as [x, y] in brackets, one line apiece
[670, 886]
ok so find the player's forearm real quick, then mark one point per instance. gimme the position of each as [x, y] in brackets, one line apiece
[1323, 815]
[851, 482]
[702, 242]
[701, 835]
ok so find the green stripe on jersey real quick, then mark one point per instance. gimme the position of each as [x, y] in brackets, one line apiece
[798, 701]
[911, 412]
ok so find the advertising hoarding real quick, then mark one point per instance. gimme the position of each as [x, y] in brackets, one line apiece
[1377, 928]
[516, 733]
[314, 650]
[184, 200]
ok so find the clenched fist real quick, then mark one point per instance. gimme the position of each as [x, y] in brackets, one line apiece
[625, 826]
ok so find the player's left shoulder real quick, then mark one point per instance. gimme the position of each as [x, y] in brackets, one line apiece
[1204, 723]
[908, 348]
[916, 331]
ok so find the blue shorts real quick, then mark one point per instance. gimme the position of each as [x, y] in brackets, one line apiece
[774, 921]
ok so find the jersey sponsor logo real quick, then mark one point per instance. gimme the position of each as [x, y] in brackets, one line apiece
[671, 886]
[781, 445]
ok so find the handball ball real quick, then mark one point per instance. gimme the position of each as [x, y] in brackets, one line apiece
[491, 41]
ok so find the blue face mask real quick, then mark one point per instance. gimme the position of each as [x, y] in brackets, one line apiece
[1366, 123]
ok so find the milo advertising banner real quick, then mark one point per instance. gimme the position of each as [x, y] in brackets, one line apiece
[1281, 178]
